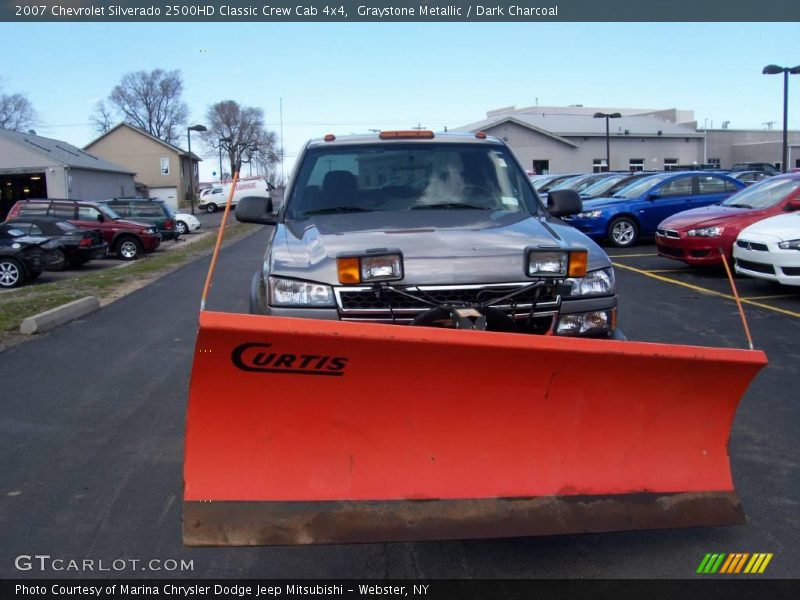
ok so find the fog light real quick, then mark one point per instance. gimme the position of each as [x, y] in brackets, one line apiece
[584, 323]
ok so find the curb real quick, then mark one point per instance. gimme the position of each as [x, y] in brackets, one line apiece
[50, 319]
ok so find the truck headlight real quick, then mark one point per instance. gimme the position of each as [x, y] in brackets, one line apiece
[601, 321]
[555, 263]
[789, 245]
[371, 266]
[595, 283]
[706, 232]
[291, 292]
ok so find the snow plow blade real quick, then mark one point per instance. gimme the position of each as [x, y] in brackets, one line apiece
[307, 431]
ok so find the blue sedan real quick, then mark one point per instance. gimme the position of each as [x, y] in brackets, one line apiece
[636, 210]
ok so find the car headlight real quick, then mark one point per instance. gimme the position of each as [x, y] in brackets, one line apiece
[789, 245]
[590, 214]
[706, 232]
[151, 231]
[369, 267]
[291, 292]
[555, 263]
[595, 283]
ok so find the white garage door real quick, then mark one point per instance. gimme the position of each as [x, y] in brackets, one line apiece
[167, 194]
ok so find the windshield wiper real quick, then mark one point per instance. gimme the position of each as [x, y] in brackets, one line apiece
[336, 209]
[734, 205]
[449, 205]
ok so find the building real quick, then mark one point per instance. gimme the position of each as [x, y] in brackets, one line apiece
[570, 139]
[726, 147]
[32, 166]
[564, 139]
[163, 168]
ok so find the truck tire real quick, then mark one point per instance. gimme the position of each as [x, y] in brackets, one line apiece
[211, 207]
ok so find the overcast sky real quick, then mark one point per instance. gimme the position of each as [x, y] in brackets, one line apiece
[346, 78]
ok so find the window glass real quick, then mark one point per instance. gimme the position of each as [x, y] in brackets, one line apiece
[636, 164]
[13, 230]
[65, 226]
[87, 213]
[62, 210]
[410, 177]
[708, 184]
[146, 209]
[31, 209]
[35, 230]
[764, 194]
[677, 187]
[165, 166]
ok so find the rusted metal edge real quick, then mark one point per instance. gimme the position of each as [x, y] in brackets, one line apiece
[234, 523]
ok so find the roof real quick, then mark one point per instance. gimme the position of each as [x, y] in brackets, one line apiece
[62, 152]
[564, 126]
[180, 151]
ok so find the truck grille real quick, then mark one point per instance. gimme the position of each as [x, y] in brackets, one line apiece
[363, 304]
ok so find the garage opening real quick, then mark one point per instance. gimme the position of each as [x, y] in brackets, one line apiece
[18, 186]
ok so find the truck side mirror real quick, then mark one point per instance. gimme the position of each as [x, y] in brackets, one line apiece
[562, 203]
[255, 209]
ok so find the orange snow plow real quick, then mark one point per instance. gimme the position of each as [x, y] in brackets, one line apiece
[304, 431]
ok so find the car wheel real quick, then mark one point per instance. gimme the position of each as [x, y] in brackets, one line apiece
[129, 248]
[182, 228]
[623, 232]
[11, 274]
[211, 207]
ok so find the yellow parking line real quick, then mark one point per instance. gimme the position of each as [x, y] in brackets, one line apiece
[771, 297]
[630, 255]
[703, 290]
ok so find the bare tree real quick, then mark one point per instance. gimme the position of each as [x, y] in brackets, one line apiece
[102, 117]
[16, 112]
[151, 100]
[240, 132]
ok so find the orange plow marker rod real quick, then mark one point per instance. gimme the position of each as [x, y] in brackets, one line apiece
[305, 431]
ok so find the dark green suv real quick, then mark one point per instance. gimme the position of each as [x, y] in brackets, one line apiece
[149, 211]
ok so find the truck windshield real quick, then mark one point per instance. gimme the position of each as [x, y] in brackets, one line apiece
[403, 177]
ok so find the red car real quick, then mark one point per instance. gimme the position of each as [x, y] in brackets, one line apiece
[126, 239]
[696, 236]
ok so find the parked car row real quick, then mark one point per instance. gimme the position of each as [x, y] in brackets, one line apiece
[751, 215]
[53, 234]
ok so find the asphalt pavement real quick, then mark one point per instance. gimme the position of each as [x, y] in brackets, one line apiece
[92, 423]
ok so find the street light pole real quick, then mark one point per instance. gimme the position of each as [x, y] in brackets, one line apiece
[774, 70]
[607, 116]
[189, 130]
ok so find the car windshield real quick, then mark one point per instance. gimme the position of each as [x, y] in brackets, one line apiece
[598, 188]
[638, 187]
[577, 183]
[402, 177]
[108, 211]
[763, 194]
[554, 183]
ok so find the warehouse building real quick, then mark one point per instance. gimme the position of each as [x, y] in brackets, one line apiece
[32, 166]
[553, 140]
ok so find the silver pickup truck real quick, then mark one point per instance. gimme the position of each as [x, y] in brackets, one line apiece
[412, 227]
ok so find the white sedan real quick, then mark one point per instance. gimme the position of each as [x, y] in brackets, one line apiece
[186, 223]
[770, 249]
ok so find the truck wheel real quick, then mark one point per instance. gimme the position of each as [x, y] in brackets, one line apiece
[211, 207]
[11, 274]
[129, 248]
[623, 232]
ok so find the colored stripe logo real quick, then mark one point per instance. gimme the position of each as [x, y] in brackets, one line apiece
[734, 563]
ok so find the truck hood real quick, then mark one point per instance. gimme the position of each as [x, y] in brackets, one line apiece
[441, 247]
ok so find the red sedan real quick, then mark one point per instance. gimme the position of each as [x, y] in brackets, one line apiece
[696, 236]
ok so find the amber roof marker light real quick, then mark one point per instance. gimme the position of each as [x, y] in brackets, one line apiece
[410, 134]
